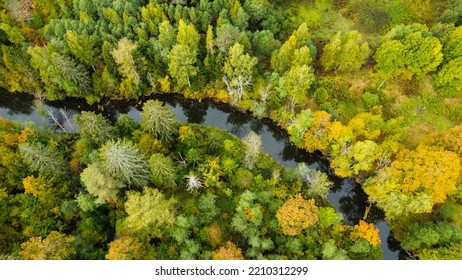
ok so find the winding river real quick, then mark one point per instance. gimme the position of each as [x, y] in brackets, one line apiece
[346, 195]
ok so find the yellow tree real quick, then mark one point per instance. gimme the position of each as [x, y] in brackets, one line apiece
[366, 231]
[56, 246]
[297, 214]
[129, 248]
[228, 252]
[415, 181]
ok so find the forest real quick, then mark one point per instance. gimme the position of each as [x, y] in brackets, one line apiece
[375, 86]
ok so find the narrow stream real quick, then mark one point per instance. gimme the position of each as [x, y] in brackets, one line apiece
[346, 195]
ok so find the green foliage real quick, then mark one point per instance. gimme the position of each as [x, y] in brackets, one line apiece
[94, 128]
[370, 99]
[299, 126]
[99, 184]
[410, 46]
[158, 120]
[162, 171]
[428, 234]
[238, 70]
[43, 159]
[181, 64]
[149, 213]
[122, 160]
[345, 52]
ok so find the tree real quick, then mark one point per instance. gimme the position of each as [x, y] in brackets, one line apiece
[409, 46]
[123, 56]
[252, 144]
[209, 40]
[297, 83]
[167, 35]
[122, 160]
[43, 159]
[193, 183]
[162, 171]
[56, 246]
[345, 52]
[101, 185]
[449, 79]
[318, 182]
[228, 252]
[129, 248]
[149, 213]
[452, 49]
[414, 182]
[366, 231]
[264, 43]
[181, 64]
[299, 125]
[59, 72]
[188, 36]
[390, 57]
[227, 36]
[83, 47]
[297, 214]
[94, 127]
[159, 120]
[238, 70]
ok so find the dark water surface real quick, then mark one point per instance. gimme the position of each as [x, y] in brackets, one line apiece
[346, 195]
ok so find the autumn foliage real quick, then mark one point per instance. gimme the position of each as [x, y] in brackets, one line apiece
[366, 231]
[297, 214]
[228, 252]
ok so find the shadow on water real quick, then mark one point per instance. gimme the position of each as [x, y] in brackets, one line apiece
[346, 196]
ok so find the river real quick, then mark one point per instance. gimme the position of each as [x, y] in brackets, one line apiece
[346, 195]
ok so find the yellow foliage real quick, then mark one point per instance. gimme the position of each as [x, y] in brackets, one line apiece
[434, 172]
[56, 246]
[316, 136]
[297, 214]
[128, 248]
[228, 252]
[26, 134]
[185, 132]
[215, 233]
[37, 187]
[366, 231]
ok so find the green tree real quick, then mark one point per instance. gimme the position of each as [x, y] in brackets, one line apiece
[181, 64]
[149, 213]
[297, 83]
[299, 125]
[162, 171]
[99, 184]
[345, 52]
[188, 36]
[59, 72]
[159, 120]
[94, 127]
[122, 160]
[83, 47]
[449, 78]
[390, 57]
[43, 159]
[238, 70]
[227, 36]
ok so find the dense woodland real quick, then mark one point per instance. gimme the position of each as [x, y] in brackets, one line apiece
[376, 86]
